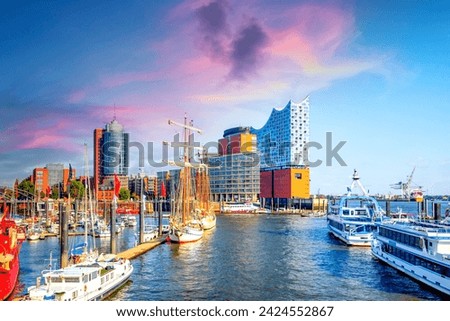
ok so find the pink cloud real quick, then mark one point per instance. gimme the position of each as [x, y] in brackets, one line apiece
[120, 79]
[77, 96]
[43, 132]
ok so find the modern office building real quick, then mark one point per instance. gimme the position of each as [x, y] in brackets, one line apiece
[234, 172]
[110, 156]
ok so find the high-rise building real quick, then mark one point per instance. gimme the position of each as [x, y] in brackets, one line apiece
[110, 153]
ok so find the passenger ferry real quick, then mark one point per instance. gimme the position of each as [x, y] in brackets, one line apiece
[420, 250]
[240, 208]
[86, 281]
[352, 220]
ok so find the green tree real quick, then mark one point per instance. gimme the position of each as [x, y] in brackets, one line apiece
[124, 194]
[27, 187]
[55, 193]
[76, 190]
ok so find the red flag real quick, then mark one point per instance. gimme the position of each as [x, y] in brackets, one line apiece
[48, 191]
[116, 185]
[163, 189]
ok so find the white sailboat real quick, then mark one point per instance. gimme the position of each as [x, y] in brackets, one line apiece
[185, 223]
[82, 252]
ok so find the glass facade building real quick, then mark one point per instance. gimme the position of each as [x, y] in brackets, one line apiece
[234, 177]
[110, 153]
[281, 141]
[115, 150]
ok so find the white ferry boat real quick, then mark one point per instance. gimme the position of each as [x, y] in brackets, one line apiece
[87, 281]
[352, 220]
[420, 250]
[239, 208]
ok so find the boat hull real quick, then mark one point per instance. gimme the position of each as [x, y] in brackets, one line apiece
[208, 222]
[98, 288]
[185, 235]
[8, 277]
[359, 240]
[419, 274]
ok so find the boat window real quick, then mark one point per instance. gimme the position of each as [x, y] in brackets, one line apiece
[85, 278]
[345, 212]
[56, 279]
[72, 279]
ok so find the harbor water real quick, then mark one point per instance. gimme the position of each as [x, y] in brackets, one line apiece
[249, 258]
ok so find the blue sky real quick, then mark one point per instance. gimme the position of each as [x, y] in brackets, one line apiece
[376, 73]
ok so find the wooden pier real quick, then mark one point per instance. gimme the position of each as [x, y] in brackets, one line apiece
[141, 248]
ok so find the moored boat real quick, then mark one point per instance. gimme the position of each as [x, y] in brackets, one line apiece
[203, 196]
[87, 281]
[352, 220]
[241, 208]
[10, 245]
[420, 250]
[185, 224]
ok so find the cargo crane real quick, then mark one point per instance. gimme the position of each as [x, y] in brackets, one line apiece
[408, 192]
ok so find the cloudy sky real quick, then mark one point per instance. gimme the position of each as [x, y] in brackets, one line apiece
[376, 73]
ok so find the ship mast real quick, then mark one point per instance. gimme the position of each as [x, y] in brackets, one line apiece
[185, 174]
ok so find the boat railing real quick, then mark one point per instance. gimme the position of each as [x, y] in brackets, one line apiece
[360, 228]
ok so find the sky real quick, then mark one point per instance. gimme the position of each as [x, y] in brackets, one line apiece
[376, 73]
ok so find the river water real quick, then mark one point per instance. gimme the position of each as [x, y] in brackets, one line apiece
[249, 258]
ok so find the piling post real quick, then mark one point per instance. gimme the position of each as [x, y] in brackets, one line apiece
[388, 207]
[142, 219]
[142, 214]
[112, 223]
[159, 219]
[437, 211]
[64, 240]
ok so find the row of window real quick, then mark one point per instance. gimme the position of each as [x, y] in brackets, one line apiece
[415, 260]
[336, 225]
[411, 240]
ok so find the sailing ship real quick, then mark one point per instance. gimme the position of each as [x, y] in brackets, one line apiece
[203, 196]
[10, 244]
[185, 222]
